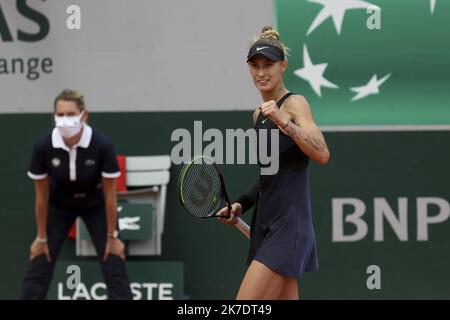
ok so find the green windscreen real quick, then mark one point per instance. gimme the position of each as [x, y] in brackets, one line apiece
[411, 49]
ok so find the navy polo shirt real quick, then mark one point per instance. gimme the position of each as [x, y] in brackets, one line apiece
[75, 175]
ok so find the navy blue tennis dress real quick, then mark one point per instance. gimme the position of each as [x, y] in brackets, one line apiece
[282, 236]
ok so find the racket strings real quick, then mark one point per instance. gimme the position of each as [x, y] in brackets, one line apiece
[201, 188]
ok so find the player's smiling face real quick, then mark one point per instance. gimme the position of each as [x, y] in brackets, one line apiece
[266, 74]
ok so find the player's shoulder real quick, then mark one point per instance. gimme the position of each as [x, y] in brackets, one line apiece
[296, 100]
[297, 103]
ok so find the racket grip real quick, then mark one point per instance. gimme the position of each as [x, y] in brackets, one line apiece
[243, 227]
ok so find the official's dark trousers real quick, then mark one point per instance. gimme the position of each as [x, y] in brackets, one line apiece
[59, 222]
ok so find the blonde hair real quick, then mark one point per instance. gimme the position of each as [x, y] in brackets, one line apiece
[270, 36]
[71, 95]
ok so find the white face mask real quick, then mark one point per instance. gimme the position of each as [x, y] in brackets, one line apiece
[69, 126]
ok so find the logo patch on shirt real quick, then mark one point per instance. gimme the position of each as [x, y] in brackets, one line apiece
[56, 162]
[89, 162]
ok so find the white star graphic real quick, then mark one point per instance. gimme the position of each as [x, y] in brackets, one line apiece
[336, 9]
[373, 87]
[313, 73]
[432, 5]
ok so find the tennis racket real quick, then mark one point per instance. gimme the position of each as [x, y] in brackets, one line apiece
[202, 193]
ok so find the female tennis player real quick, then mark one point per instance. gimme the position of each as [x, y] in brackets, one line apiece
[74, 168]
[283, 244]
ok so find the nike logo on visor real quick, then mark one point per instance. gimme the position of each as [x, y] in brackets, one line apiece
[261, 48]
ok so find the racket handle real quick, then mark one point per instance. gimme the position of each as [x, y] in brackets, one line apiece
[243, 227]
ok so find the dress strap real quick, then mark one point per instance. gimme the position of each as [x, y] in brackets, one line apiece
[281, 101]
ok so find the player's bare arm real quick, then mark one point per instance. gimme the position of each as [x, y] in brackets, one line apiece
[304, 131]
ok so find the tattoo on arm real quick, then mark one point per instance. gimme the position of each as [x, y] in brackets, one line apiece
[311, 140]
